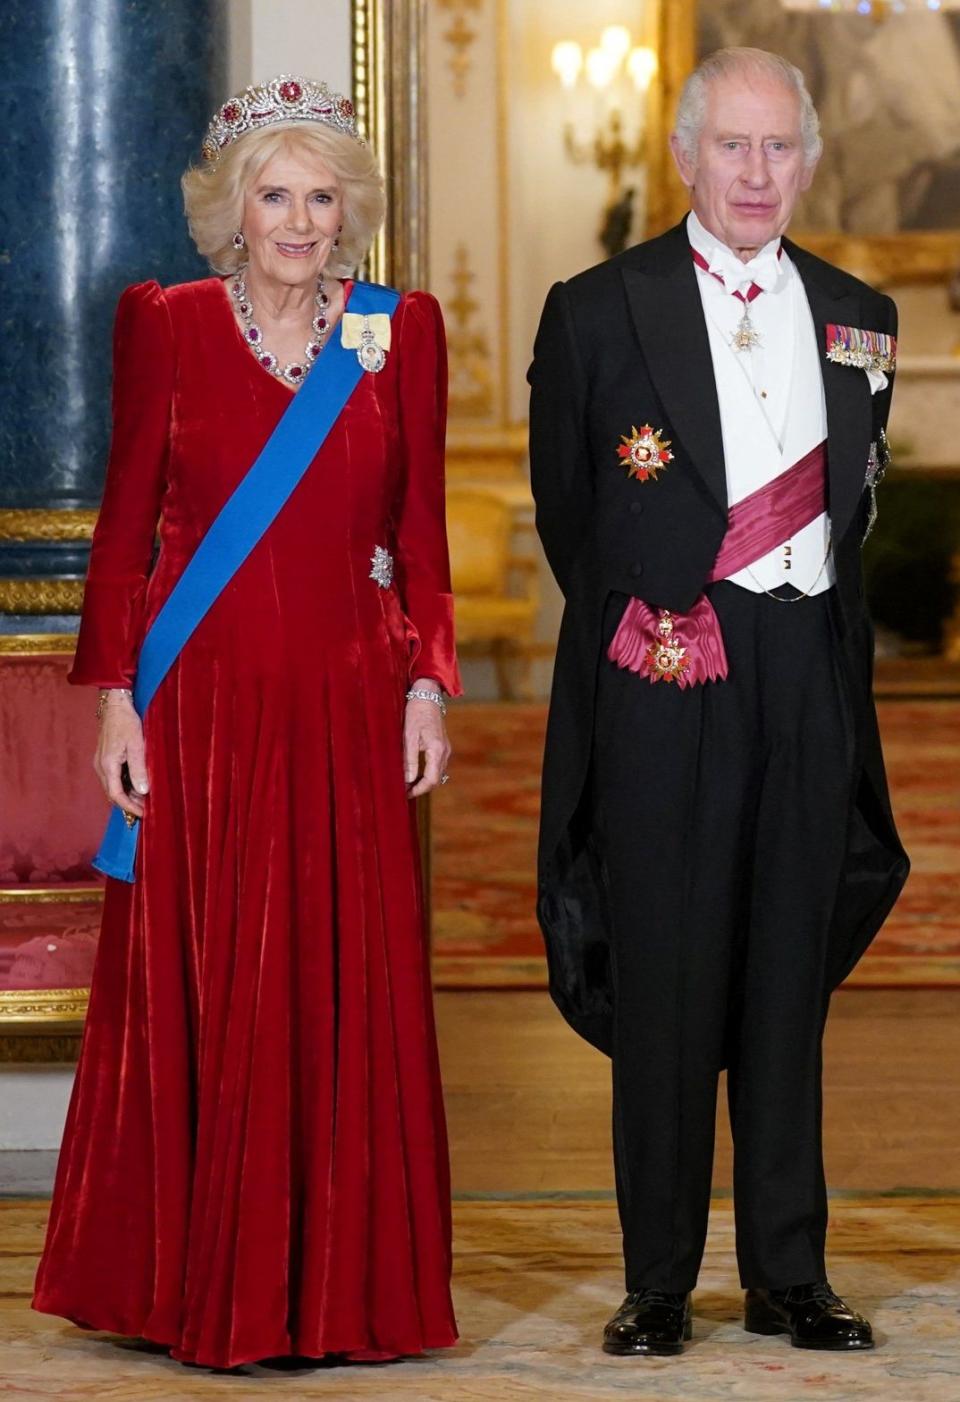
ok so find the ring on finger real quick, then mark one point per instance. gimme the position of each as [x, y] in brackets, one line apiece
[444, 778]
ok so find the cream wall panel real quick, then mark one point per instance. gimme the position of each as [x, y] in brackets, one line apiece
[555, 206]
[311, 37]
[467, 185]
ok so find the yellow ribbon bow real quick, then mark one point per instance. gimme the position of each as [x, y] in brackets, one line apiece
[353, 325]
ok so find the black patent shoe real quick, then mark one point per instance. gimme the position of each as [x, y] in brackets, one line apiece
[812, 1315]
[650, 1322]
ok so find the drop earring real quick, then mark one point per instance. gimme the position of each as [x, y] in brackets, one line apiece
[336, 242]
[238, 240]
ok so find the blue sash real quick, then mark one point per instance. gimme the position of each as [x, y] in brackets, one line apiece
[241, 522]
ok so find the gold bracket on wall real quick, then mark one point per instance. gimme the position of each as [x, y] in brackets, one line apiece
[460, 37]
[471, 376]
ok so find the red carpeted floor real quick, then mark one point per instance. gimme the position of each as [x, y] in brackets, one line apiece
[484, 845]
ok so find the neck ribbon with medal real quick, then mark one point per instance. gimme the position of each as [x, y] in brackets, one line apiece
[746, 335]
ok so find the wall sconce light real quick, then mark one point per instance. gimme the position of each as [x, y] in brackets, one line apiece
[619, 72]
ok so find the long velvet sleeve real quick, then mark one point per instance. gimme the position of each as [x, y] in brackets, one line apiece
[423, 564]
[113, 603]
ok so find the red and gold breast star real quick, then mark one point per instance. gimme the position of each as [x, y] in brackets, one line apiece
[646, 452]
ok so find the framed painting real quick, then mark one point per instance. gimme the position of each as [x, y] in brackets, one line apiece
[885, 203]
[51, 816]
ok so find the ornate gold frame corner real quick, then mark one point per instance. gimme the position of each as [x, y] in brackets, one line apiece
[927, 256]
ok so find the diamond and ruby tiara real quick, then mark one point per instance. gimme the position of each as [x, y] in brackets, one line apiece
[285, 99]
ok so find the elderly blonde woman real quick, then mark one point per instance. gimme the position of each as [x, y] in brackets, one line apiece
[255, 1164]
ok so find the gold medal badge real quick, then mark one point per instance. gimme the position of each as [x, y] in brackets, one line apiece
[645, 452]
[369, 336]
[666, 660]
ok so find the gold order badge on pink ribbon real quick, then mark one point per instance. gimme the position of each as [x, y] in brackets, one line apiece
[665, 659]
[645, 453]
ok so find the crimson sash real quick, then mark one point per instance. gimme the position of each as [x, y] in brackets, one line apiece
[688, 647]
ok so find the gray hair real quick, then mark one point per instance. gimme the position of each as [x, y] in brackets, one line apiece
[692, 107]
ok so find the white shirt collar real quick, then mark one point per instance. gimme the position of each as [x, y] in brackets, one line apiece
[765, 268]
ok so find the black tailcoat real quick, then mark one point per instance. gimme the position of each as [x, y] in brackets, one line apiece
[621, 345]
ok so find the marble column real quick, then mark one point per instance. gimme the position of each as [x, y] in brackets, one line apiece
[103, 104]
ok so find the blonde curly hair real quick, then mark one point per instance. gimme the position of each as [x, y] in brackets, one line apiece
[213, 194]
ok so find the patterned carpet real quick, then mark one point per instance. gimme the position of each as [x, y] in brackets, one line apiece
[534, 1280]
[484, 845]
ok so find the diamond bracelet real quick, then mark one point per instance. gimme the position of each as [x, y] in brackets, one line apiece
[421, 694]
[106, 692]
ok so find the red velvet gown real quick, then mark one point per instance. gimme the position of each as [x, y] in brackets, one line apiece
[255, 1160]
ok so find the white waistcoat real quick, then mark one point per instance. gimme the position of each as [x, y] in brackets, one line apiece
[772, 410]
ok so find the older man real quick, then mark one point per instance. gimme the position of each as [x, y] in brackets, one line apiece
[717, 848]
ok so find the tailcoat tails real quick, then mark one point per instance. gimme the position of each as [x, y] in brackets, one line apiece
[626, 345]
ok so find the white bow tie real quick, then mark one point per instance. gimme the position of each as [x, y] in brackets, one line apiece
[764, 269]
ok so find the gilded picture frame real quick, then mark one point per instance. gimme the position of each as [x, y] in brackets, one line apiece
[41, 1024]
[923, 255]
[388, 39]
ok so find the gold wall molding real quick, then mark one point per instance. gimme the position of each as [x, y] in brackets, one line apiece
[888, 258]
[51, 895]
[42, 524]
[388, 85]
[32, 595]
[368, 78]
[925, 256]
[471, 392]
[42, 1005]
[674, 38]
[36, 644]
[460, 37]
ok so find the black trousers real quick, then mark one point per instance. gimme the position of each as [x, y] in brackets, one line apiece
[721, 816]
